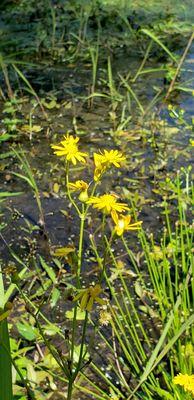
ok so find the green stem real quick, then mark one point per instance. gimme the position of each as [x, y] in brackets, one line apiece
[5, 363]
[73, 335]
[82, 223]
[70, 389]
[131, 257]
[68, 191]
[5, 354]
[24, 380]
[80, 249]
[79, 365]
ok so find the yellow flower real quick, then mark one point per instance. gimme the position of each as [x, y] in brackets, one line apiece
[113, 395]
[69, 149]
[82, 187]
[114, 157]
[192, 142]
[105, 317]
[157, 253]
[78, 186]
[122, 223]
[107, 203]
[185, 380]
[88, 296]
[99, 167]
[103, 161]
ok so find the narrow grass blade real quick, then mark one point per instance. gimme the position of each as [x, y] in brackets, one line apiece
[31, 89]
[9, 194]
[131, 91]
[158, 41]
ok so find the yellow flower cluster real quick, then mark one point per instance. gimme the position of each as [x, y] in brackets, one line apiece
[185, 380]
[88, 296]
[109, 205]
[105, 160]
[106, 203]
[69, 148]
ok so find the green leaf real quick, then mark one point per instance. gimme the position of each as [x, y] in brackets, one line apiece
[50, 272]
[80, 315]
[9, 194]
[27, 331]
[31, 375]
[25, 178]
[158, 41]
[51, 330]
[55, 297]
[77, 353]
[139, 290]
[4, 137]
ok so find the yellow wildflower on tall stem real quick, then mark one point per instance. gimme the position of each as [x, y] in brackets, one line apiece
[78, 185]
[105, 160]
[88, 296]
[107, 203]
[185, 380]
[82, 187]
[69, 149]
[123, 223]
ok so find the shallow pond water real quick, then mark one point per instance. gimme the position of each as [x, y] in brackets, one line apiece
[154, 145]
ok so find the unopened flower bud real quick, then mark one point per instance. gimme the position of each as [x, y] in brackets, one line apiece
[83, 197]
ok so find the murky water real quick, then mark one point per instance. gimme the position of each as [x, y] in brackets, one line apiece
[151, 155]
[154, 147]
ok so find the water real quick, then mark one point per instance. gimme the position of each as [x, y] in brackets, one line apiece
[151, 155]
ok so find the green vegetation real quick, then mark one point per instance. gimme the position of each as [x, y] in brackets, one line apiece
[96, 229]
